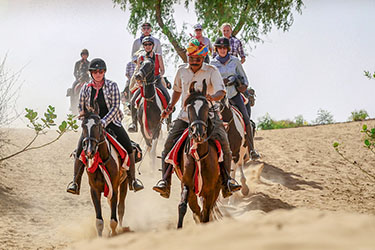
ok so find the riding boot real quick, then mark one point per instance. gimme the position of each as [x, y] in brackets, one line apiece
[229, 185]
[164, 185]
[75, 186]
[133, 127]
[134, 184]
[250, 140]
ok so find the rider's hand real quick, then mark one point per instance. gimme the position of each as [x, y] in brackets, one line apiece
[209, 97]
[166, 112]
[139, 83]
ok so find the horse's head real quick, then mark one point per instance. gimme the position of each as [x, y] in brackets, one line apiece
[146, 72]
[92, 131]
[197, 108]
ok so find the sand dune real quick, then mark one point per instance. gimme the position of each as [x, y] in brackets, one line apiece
[303, 196]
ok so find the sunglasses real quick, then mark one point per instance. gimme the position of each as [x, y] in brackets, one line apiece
[195, 59]
[146, 28]
[198, 29]
[147, 44]
[101, 71]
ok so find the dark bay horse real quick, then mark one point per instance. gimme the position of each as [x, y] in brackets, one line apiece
[150, 109]
[204, 159]
[98, 149]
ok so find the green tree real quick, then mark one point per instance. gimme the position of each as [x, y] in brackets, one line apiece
[250, 18]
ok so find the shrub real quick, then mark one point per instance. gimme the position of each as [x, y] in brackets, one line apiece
[360, 115]
[324, 117]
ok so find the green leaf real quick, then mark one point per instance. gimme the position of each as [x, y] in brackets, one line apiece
[364, 127]
[336, 144]
[367, 143]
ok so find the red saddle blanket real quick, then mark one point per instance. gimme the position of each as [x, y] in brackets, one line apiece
[161, 101]
[97, 162]
[173, 158]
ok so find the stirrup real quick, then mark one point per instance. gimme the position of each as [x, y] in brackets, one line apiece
[141, 184]
[235, 183]
[72, 191]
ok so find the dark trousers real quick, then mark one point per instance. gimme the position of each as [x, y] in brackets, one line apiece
[238, 102]
[121, 136]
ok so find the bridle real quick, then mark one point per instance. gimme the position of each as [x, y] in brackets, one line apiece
[93, 139]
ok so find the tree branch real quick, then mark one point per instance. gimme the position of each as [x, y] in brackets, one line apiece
[180, 50]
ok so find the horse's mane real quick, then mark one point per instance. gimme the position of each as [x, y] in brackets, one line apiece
[193, 96]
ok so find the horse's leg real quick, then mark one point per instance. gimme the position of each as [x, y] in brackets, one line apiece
[95, 196]
[245, 188]
[121, 203]
[113, 223]
[182, 206]
[194, 206]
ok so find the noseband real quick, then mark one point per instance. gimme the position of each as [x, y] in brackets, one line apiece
[93, 139]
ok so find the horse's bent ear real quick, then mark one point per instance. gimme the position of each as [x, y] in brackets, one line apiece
[204, 88]
[192, 87]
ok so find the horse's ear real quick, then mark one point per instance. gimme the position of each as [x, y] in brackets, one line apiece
[204, 88]
[96, 108]
[192, 87]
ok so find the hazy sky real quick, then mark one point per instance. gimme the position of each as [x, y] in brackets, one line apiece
[319, 63]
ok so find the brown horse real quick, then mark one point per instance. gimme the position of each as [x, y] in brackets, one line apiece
[95, 144]
[205, 160]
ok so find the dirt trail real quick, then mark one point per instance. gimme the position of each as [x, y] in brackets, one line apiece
[300, 170]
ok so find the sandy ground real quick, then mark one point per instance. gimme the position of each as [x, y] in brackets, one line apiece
[306, 197]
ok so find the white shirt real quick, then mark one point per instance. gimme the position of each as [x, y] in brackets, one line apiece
[185, 76]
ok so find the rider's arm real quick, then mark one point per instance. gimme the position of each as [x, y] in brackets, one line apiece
[217, 96]
[240, 71]
[161, 65]
[115, 105]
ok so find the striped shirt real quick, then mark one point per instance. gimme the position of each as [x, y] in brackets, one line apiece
[112, 99]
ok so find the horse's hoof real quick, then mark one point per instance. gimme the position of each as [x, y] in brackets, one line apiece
[245, 190]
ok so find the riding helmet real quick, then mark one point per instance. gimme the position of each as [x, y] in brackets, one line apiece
[222, 42]
[148, 39]
[96, 64]
[84, 52]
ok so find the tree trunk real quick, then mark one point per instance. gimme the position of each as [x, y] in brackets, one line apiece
[242, 19]
[172, 39]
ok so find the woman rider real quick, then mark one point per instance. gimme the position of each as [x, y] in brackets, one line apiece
[231, 66]
[148, 46]
[107, 95]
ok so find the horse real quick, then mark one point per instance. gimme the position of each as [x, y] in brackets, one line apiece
[236, 135]
[150, 108]
[100, 153]
[204, 160]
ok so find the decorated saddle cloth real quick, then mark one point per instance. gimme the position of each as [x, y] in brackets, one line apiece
[238, 121]
[97, 162]
[174, 158]
[161, 101]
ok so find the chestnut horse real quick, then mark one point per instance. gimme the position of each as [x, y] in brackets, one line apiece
[95, 144]
[205, 160]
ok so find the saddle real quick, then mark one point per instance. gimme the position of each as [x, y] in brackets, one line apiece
[188, 147]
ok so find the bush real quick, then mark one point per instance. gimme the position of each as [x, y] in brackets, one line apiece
[324, 117]
[266, 122]
[359, 115]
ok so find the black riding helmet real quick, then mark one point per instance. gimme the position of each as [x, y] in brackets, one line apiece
[96, 64]
[148, 39]
[222, 42]
[84, 52]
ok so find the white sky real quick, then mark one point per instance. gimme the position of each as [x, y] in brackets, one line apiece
[319, 63]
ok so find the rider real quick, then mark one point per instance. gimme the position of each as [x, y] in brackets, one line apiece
[146, 31]
[107, 95]
[196, 70]
[81, 68]
[204, 40]
[236, 48]
[231, 66]
[148, 46]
